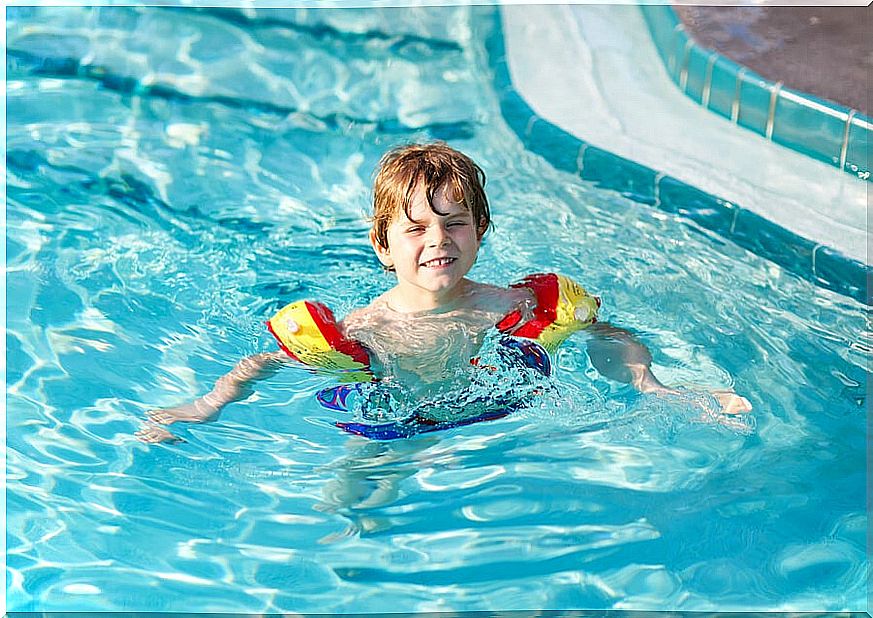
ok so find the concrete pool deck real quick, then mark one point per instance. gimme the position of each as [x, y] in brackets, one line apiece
[825, 51]
[594, 71]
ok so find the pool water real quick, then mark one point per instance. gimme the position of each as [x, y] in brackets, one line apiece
[175, 176]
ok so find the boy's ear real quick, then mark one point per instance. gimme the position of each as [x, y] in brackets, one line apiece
[483, 227]
[383, 253]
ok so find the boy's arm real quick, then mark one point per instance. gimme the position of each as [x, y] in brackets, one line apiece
[233, 386]
[620, 356]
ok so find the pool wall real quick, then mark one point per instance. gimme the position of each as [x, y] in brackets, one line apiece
[812, 261]
[820, 129]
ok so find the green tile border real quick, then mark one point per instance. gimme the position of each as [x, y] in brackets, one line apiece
[812, 261]
[820, 129]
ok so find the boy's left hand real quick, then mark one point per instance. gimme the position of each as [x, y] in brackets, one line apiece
[730, 402]
[729, 405]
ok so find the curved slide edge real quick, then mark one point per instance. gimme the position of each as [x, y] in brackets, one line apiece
[815, 262]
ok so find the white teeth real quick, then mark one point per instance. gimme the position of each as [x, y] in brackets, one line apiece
[439, 262]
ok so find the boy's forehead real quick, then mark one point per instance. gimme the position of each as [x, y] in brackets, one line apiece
[443, 201]
[419, 209]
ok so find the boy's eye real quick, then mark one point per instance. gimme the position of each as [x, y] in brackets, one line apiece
[457, 222]
[415, 229]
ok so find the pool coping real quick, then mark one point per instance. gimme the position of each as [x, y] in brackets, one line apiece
[814, 262]
[826, 131]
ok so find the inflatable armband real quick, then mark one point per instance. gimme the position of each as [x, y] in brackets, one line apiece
[308, 333]
[563, 307]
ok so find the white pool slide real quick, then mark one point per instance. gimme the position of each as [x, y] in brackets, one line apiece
[594, 71]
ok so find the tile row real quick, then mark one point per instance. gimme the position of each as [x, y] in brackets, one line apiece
[820, 129]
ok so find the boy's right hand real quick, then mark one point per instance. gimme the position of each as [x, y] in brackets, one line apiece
[155, 434]
[198, 411]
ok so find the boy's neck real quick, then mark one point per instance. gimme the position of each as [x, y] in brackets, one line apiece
[410, 299]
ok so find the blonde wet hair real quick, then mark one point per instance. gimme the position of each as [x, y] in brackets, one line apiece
[403, 169]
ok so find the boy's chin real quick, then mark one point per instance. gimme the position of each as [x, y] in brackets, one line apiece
[441, 280]
[439, 284]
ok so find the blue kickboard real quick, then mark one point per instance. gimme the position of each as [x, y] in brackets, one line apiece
[415, 425]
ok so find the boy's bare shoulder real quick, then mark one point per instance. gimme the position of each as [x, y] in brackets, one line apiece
[364, 316]
[502, 300]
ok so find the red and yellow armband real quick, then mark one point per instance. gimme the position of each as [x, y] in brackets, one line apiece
[563, 307]
[307, 331]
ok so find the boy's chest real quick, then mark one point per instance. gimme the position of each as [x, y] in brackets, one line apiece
[430, 347]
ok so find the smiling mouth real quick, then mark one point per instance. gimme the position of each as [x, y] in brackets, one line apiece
[438, 262]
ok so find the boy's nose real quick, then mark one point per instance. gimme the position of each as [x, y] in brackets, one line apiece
[437, 236]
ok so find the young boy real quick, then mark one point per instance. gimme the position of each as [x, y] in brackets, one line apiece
[430, 215]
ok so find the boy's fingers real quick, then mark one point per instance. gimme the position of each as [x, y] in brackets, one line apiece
[745, 404]
[736, 405]
[731, 403]
[733, 423]
[153, 434]
[144, 435]
[158, 416]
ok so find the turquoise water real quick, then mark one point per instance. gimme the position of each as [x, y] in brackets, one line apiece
[175, 176]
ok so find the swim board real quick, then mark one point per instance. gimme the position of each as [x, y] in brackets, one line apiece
[529, 353]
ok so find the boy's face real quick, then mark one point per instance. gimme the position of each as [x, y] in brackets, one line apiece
[431, 253]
